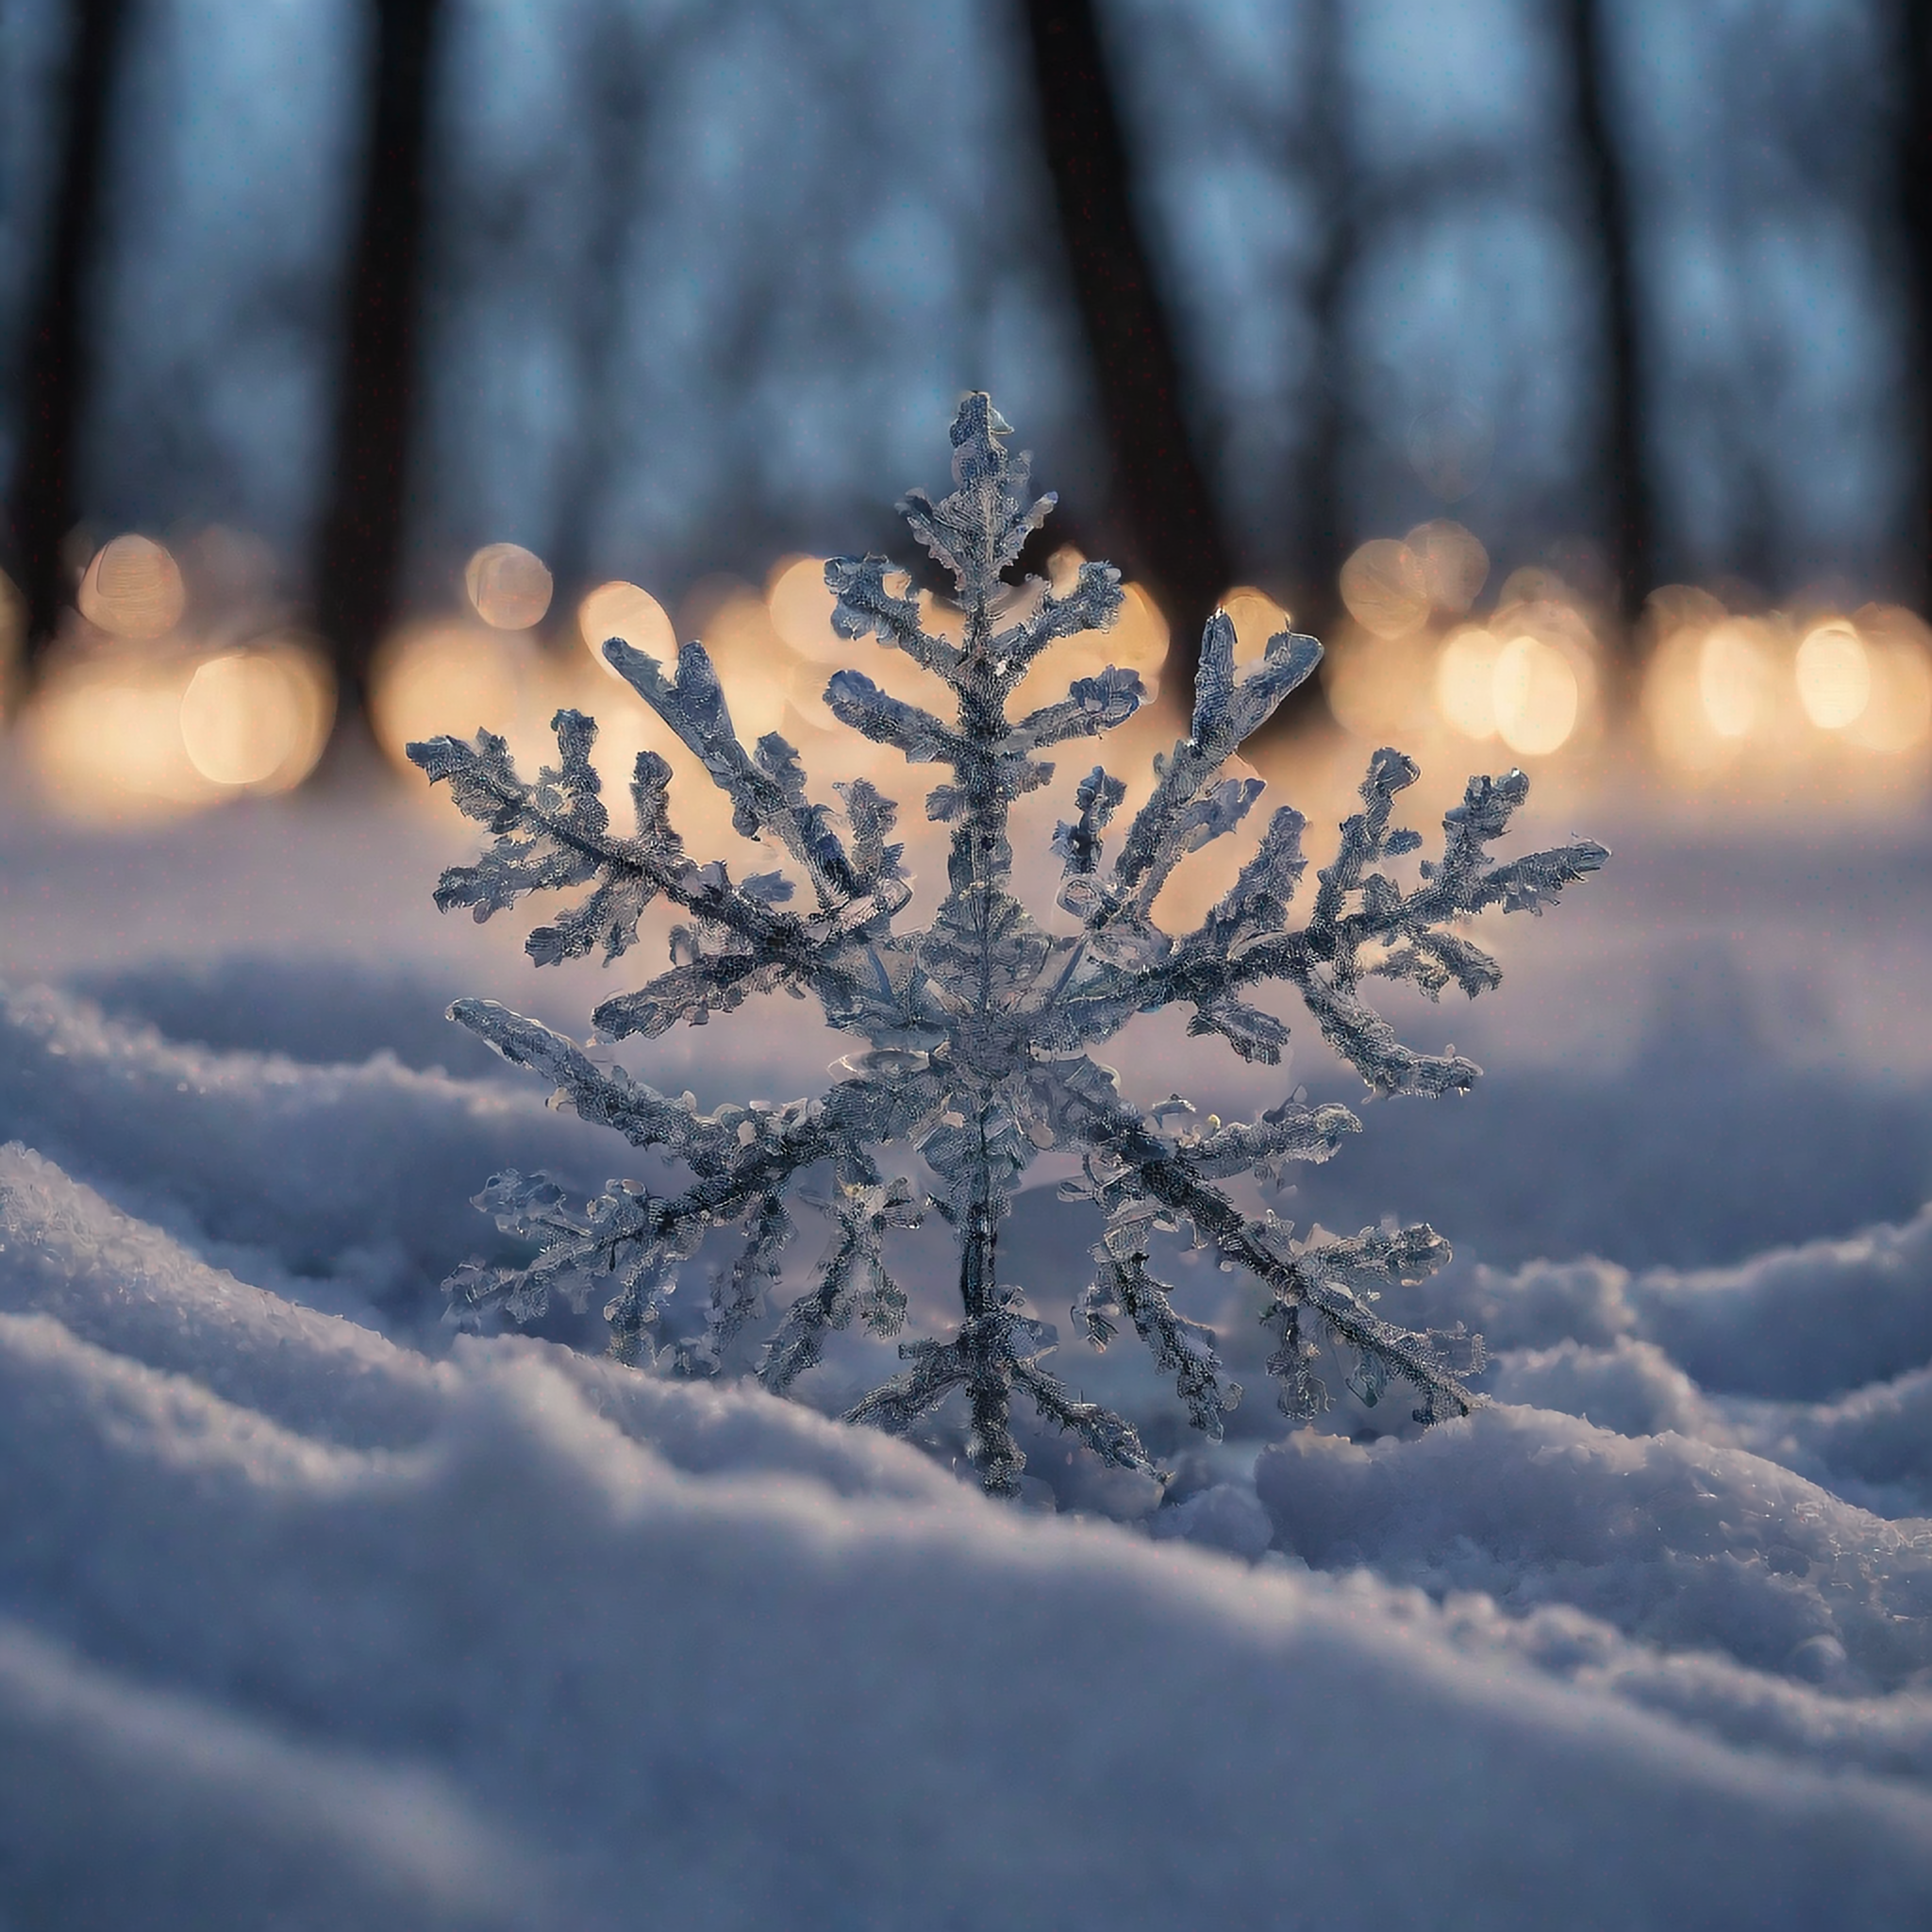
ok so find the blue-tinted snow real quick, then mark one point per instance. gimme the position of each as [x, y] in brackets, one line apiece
[307, 1612]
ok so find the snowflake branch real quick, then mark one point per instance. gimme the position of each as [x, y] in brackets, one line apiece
[1093, 604]
[1091, 704]
[1327, 1281]
[864, 605]
[556, 833]
[767, 791]
[1180, 1348]
[857, 1256]
[1226, 710]
[982, 527]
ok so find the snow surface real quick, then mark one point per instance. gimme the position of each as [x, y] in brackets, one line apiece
[310, 1617]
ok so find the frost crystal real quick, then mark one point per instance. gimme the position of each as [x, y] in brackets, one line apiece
[978, 1033]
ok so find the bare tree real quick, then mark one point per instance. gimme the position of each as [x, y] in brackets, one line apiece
[1630, 520]
[42, 505]
[1169, 529]
[362, 530]
[1319, 527]
[1915, 182]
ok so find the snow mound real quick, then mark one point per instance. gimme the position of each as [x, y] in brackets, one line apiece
[1807, 1322]
[513, 1638]
[1682, 1542]
[350, 1182]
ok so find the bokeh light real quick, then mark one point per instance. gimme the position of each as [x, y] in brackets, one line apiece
[1379, 688]
[103, 737]
[509, 587]
[256, 720]
[800, 608]
[132, 589]
[1452, 564]
[1734, 677]
[1536, 696]
[442, 676]
[755, 667]
[1256, 618]
[1527, 685]
[1898, 717]
[1465, 681]
[618, 610]
[1834, 674]
[1386, 587]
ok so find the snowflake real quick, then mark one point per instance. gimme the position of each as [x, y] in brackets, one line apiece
[979, 1032]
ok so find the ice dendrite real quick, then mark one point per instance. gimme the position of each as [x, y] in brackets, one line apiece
[975, 1037]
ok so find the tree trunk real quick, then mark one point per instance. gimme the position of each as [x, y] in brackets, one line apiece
[1628, 524]
[1915, 183]
[1320, 532]
[42, 509]
[361, 534]
[1169, 531]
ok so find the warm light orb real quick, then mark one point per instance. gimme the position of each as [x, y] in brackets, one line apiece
[102, 737]
[1536, 696]
[1385, 588]
[132, 588]
[1139, 640]
[618, 610]
[800, 608]
[509, 587]
[1834, 674]
[1466, 682]
[1731, 681]
[1453, 563]
[1899, 717]
[1256, 618]
[254, 720]
[443, 677]
[754, 665]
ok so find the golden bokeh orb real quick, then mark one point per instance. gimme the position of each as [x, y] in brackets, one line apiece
[618, 610]
[509, 587]
[132, 589]
[1834, 675]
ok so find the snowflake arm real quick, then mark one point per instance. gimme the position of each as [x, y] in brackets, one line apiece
[979, 529]
[864, 607]
[766, 788]
[1093, 604]
[556, 833]
[1143, 1177]
[852, 1281]
[1227, 710]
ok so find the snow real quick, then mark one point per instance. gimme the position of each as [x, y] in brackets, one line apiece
[311, 1615]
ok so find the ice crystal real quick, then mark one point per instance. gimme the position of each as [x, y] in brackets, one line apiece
[978, 1033]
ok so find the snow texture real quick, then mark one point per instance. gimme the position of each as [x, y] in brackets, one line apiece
[332, 1633]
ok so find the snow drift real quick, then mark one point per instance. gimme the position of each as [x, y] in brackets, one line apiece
[310, 1621]
[513, 1638]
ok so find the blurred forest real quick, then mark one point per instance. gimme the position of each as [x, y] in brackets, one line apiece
[1635, 292]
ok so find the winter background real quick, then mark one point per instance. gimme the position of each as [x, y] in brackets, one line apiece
[314, 1615]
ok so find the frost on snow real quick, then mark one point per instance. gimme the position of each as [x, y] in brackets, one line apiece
[977, 1032]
